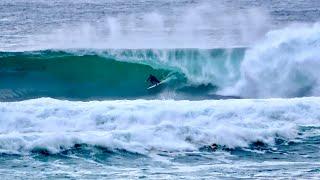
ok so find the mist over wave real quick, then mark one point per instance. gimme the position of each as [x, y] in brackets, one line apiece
[204, 25]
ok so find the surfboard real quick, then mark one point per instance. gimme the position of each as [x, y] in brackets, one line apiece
[169, 77]
[155, 85]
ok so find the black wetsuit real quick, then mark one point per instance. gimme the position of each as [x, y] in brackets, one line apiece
[153, 80]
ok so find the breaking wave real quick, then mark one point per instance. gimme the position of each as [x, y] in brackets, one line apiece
[285, 64]
[144, 126]
[87, 74]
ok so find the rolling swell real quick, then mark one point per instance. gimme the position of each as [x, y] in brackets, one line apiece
[113, 74]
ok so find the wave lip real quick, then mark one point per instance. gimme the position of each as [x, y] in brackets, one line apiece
[153, 126]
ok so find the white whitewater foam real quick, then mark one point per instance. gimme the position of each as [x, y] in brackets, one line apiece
[145, 126]
[285, 64]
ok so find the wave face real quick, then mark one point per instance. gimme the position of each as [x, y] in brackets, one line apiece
[144, 126]
[60, 74]
[87, 74]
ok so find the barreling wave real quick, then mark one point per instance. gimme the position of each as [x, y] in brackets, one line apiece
[113, 74]
[284, 64]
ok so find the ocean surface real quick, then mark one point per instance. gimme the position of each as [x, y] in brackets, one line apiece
[241, 97]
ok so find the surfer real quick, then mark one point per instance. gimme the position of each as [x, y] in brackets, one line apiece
[153, 80]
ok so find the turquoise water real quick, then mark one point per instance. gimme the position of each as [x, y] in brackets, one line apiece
[113, 74]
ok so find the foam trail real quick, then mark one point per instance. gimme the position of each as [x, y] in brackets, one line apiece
[285, 64]
[145, 126]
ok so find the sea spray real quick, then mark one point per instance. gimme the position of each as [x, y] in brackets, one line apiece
[285, 64]
[204, 25]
